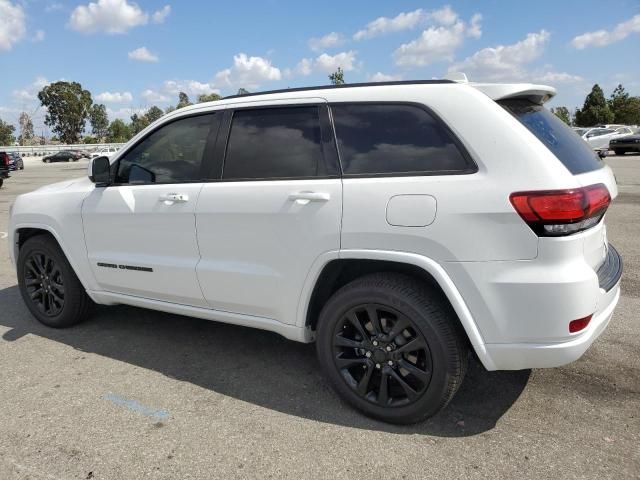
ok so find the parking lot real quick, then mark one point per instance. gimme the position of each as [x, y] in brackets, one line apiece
[139, 394]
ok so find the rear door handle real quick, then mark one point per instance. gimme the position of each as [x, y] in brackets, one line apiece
[171, 198]
[303, 198]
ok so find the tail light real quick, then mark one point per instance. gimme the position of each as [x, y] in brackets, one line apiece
[580, 324]
[5, 159]
[553, 213]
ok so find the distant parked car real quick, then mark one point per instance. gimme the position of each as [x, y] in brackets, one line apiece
[5, 161]
[63, 156]
[104, 152]
[599, 138]
[628, 143]
[16, 161]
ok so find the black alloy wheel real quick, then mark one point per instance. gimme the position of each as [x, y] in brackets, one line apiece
[44, 283]
[381, 355]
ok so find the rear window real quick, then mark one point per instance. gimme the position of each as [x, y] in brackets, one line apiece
[395, 139]
[564, 143]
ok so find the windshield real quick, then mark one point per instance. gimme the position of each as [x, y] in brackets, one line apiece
[557, 136]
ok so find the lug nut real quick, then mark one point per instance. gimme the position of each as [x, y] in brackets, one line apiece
[377, 365]
[390, 363]
[375, 343]
[388, 348]
[368, 354]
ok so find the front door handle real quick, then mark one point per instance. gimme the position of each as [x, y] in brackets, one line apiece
[303, 198]
[171, 198]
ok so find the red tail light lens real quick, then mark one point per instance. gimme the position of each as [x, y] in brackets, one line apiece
[580, 324]
[562, 212]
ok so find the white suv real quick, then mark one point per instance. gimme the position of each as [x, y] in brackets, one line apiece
[399, 226]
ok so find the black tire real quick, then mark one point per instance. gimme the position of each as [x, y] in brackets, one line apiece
[1, 182]
[43, 271]
[618, 152]
[433, 374]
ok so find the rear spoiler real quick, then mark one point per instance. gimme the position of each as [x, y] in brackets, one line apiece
[500, 91]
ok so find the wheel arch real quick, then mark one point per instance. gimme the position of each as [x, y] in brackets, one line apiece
[352, 264]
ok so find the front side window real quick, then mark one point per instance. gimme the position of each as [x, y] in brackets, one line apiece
[395, 139]
[171, 154]
[275, 143]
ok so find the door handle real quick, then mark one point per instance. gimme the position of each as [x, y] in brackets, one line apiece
[171, 198]
[302, 198]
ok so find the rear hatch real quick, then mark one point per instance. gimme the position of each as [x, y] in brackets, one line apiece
[576, 155]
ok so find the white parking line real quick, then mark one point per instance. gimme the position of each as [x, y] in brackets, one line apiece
[3, 235]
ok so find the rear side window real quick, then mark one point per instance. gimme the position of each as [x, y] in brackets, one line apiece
[395, 139]
[574, 153]
[275, 143]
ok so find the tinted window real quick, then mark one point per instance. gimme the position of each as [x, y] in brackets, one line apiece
[569, 148]
[275, 143]
[378, 139]
[171, 154]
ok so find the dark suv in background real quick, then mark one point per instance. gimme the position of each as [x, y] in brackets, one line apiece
[16, 161]
[5, 162]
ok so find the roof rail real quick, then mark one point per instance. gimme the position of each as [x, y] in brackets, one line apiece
[345, 85]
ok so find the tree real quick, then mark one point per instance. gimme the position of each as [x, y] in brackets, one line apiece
[154, 113]
[26, 128]
[595, 109]
[6, 133]
[169, 109]
[337, 77]
[99, 120]
[118, 132]
[563, 114]
[89, 140]
[212, 97]
[138, 123]
[183, 100]
[68, 108]
[626, 109]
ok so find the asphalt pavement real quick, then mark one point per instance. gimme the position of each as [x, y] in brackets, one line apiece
[136, 394]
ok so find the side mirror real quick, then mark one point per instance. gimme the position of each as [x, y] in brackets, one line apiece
[100, 171]
[603, 153]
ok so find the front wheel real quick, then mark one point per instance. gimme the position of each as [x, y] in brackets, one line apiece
[49, 286]
[618, 152]
[390, 347]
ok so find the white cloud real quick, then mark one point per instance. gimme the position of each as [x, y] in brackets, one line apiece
[330, 40]
[153, 96]
[114, 97]
[247, 72]
[602, 38]
[330, 63]
[109, 16]
[52, 7]
[475, 29]
[406, 21]
[433, 45]
[142, 55]
[190, 87]
[30, 92]
[557, 77]
[161, 15]
[12, 24]
[304, 67]
[383, 77]
[38, 36]
[504, 62]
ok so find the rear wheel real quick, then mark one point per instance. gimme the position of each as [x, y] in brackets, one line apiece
[49, 286]
[390, 348]
[618, 152]
[1, 182]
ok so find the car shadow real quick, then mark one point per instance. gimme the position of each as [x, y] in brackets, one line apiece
[254, 366]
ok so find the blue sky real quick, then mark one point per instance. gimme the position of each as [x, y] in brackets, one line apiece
[132, 55]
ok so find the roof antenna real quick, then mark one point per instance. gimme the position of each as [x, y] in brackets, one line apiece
[459, 77]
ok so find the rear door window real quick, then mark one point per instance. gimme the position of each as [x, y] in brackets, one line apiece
[401, 139]
[574, 153]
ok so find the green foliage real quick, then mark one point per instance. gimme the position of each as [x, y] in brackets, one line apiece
[26, 128]
[68, 107]
[99, 120]
[6, 133]
[153, 114]
[89, 140]
[595, 109]
[337, 77]
[563, 114]
[212, 97]
[626, 109]
[138, 123]
[118, 132]
[183, 100]
[169, 109]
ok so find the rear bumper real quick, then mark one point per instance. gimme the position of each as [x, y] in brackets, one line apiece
[526, 355]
